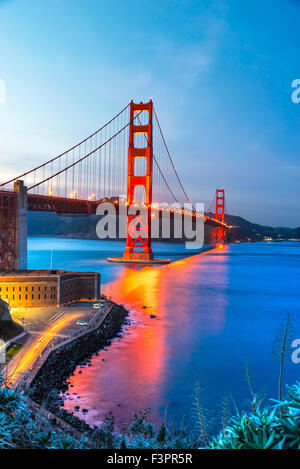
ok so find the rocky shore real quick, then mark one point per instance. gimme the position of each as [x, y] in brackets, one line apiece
[52, 378]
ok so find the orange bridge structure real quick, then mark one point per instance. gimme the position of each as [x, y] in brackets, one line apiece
[126, 162]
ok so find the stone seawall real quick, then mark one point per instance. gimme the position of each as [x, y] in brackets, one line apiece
[52, 377]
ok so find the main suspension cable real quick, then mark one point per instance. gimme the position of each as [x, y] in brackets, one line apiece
[167, 149]
[83, 158]
[65, 152]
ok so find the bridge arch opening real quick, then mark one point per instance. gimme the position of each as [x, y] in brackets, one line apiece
[141, 117]
[139, 194]
[140, 166]
[140, 140]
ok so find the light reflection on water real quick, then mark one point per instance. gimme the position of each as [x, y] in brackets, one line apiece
[213, 311]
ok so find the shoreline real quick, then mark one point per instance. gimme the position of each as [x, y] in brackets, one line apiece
[52, 378]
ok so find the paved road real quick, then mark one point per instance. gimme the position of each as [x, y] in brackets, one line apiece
[44, 325]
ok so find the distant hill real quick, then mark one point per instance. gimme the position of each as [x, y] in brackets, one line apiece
[244, 229]
[52, 224]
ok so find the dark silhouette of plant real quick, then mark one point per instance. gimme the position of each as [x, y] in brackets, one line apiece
[162, 434]
[254, 404]
[225, 413]
[198, 414]
[257, 399]
[282, 347]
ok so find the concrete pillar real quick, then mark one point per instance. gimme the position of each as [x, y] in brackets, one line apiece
[21, 225]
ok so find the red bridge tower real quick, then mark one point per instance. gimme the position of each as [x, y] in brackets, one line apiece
[138, 246]
[220, 214]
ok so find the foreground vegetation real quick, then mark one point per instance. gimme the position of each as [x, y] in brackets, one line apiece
[273, 427]
[24, 424]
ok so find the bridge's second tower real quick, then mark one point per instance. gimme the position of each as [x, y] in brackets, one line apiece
[138, 243]
[220, 214]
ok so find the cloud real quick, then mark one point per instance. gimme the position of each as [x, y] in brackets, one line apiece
[190, 59]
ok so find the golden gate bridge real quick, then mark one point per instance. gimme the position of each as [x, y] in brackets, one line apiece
[126, 161]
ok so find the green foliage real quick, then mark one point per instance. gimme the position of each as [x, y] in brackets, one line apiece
[249, 431]
[7, 429]
[67, 442]
[11, 401]
[103, 437]
[45, 440]
[264, 428]
[289, 419]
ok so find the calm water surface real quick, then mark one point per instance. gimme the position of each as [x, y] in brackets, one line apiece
[213, 311]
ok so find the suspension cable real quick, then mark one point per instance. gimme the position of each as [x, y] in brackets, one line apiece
[84, 157]
[65, 152]
[159, 169]
[167, 149]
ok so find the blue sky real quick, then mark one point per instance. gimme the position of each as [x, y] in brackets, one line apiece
[219, 72]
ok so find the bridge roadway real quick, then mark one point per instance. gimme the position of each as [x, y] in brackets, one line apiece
[14, 206]
[65, 205]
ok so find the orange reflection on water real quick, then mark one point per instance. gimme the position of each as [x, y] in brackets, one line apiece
[135, 369]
